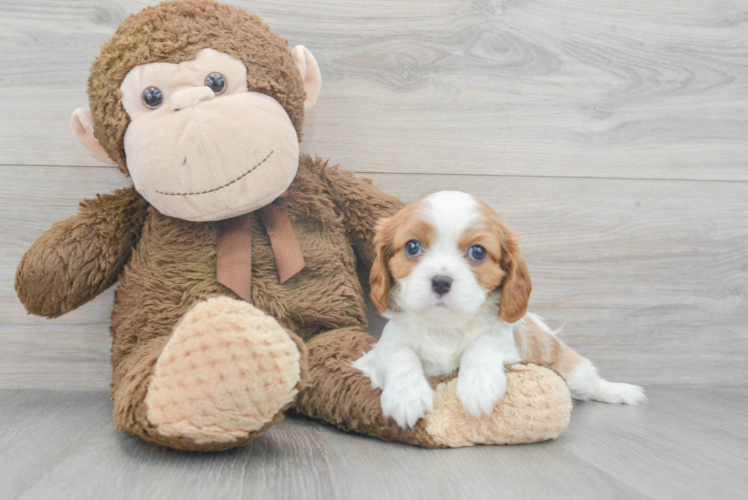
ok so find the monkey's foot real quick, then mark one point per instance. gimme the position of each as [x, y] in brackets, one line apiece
[226, 374]
[536, 407]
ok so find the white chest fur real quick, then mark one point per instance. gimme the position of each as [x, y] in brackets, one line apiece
[440, 345]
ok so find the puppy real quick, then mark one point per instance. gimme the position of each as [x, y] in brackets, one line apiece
[450, 278]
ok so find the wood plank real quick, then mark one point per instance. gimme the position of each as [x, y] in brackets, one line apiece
[608, 452]
[40, 429]
[661, 449]
[476, 472]
[712, 408]
[633, 89]
[646, 275]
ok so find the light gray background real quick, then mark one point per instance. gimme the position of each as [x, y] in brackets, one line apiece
[611, 134]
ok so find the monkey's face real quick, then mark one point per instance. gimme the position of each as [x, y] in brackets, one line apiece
[202, 105]
[200, 146]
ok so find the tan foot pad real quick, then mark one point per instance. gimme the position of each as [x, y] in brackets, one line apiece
[227, 370]
[536, 407]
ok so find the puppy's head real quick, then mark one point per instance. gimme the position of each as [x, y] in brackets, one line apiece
[446, 253]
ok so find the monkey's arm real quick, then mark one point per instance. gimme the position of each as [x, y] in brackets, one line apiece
[362, 206]
[78, 258]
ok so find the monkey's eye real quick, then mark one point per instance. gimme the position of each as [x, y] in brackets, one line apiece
[477, 253]
[152, 97]
[413, 248]
[216, 82]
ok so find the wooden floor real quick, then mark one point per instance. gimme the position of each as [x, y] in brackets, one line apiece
[688, 443]
[613, 135]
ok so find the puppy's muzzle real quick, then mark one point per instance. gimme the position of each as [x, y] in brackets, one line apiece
[441, 284]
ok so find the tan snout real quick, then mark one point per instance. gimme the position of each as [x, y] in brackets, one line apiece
[190, 97]
[230, 170]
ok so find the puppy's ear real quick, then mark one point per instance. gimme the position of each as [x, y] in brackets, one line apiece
[517, 286]
[379, 278]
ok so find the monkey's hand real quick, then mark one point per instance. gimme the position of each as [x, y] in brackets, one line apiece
[78, 258]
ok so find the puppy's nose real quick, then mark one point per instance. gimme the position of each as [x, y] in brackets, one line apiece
[441, 284]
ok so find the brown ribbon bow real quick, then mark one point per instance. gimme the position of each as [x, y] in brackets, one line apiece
[234, 249]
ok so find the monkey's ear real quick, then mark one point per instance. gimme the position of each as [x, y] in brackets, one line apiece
[82, 122]
[309, 70]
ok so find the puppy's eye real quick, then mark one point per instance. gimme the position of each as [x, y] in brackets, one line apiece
[152, 97]
[477, 253]
[216, 82]
[413, 248]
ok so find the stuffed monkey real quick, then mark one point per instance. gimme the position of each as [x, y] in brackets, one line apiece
[236, 256]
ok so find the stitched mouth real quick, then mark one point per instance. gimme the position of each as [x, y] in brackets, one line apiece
[223, 185]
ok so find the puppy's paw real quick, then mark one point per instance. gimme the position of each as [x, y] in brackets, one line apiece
[613, 393]
[479, 391]
[407, 404]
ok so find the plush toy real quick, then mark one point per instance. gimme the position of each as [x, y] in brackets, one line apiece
[236, 256]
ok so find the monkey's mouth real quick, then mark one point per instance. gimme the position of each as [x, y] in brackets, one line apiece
[251, 169]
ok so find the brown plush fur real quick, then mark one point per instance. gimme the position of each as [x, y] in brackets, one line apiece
[78, 258]
[176, 31]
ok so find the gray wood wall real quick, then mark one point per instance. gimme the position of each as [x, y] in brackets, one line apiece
[611, 134]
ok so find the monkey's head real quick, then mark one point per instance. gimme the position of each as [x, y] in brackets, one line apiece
[202, 105]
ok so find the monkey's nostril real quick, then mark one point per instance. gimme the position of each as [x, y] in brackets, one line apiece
[441, 284]
[185, 161]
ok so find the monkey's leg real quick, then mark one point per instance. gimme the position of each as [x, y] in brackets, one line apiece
[536, 406]
[224, 375]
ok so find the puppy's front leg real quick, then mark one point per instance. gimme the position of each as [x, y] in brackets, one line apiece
[406, 393]
[481, 382]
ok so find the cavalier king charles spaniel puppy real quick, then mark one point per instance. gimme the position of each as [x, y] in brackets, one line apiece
[450, 278]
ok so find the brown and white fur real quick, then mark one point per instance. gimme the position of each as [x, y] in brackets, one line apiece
[449, 310]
